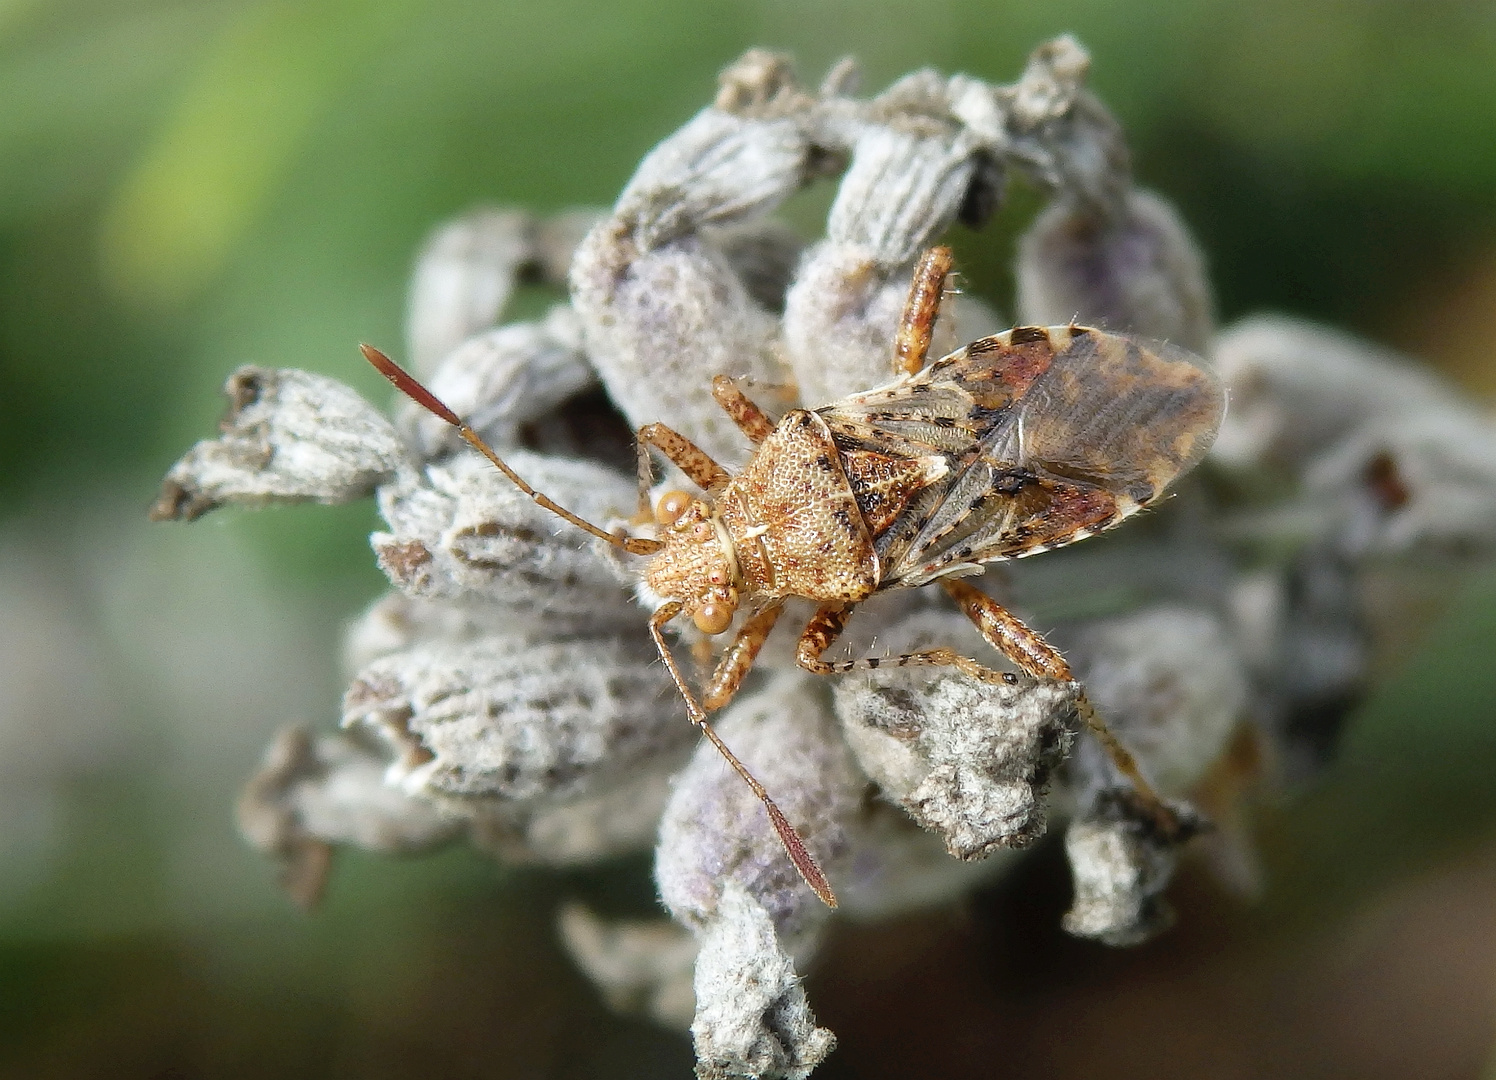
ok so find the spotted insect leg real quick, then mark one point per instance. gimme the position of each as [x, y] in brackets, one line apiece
[740, 408]
[695, 462]
[826, 626]
[911, 343]
[738, 659]
[1028, 650]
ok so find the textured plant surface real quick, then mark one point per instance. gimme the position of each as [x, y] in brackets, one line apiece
[505, 691]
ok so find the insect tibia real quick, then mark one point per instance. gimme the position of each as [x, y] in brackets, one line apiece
[408, 385]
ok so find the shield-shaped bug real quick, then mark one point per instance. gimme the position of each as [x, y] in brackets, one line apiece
[1014, 444]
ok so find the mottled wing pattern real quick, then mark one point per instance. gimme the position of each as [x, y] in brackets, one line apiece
[794, 498]
[1051, 435]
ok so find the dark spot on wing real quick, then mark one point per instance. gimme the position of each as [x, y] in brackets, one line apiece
[1025, 335]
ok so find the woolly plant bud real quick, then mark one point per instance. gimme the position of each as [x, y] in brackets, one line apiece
[1121, 864]
[1299, 389]
[289, 436]
[897, 867]
[310, 794]
[969, 760]
[468, 532]
[752, 1016]
[661, 324]
[1389, 456]
[721, 167]
[1424, 482]
[1134, 269]
[715, 830]
[1048, 126]
[396, 621]
[500, 380]
[617, 814]
[510, 718]
[641, 966]
[464, 275]
[1169, 681]
[901, 191]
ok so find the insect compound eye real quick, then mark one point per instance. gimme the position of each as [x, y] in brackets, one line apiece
[671, 506]
[713, 617]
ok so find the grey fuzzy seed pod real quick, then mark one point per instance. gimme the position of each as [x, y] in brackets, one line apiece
[640, 966]
[396, 622]
[968, 760]
[1390, 459]
[289, 436]
[1299, 389]
[512, 718]
[1121, 865]
[499, 380]
[1169, 683]
[719, 168]
[468, 532]
[1134, 269]
[752, 1016]
[900, 192]
[310, 794]
[619, 812]
[660, 324]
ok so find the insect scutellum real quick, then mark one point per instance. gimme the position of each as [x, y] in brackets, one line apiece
[1013, 444]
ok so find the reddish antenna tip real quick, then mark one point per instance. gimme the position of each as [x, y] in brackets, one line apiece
[408, 386]
[379, 360]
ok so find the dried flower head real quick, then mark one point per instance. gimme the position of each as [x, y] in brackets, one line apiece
[504, 691]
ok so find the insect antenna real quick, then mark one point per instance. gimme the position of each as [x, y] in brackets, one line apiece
[411, 388]
[794, 847]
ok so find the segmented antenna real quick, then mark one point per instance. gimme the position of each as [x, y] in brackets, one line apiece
[411, 388]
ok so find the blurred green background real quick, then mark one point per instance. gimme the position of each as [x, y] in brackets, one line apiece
[188, 185]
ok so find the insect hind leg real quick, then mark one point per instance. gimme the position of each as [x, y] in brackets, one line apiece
[1028, 650]
[829, 621]
[750, 419]
[911, 342]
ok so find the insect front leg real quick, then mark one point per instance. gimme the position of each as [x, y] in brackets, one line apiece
[739, 657]
[825, 627]
[911, 342]
[743, 412]
[695, 462]
[794, 847]
[1027, 649]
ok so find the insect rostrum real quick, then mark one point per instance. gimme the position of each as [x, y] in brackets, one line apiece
[1014, 444]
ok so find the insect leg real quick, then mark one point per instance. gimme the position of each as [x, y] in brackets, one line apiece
[911, 342]
[695, 462]
[739, 657]
[794, 847]
[744, 413]
[1027, 649]
[826, 626]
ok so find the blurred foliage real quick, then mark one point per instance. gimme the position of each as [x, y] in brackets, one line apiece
[188, 185]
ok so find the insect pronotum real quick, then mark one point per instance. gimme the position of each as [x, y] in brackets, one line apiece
[1011, 445]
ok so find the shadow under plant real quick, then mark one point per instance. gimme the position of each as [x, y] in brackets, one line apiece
[505, 692]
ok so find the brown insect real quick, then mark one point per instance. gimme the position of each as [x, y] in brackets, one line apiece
[1014, 444]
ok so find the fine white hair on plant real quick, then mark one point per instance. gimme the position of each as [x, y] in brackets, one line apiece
[504, 692]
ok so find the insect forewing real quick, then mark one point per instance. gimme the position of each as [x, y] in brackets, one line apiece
[1051, 435]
